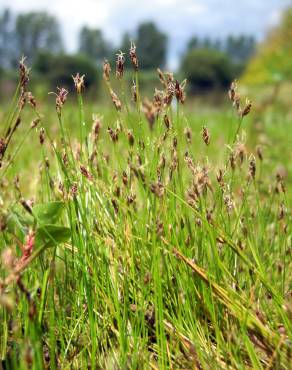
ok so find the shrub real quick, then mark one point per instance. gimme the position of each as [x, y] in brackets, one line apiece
[59, 69]
[207, 69]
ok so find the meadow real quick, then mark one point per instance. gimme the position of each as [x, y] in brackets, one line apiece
[152, 233]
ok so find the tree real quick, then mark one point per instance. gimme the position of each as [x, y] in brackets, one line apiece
[93, 45]
[152, 45]
[6, 39]
[207, 69]
[37, 31]
[240, 48]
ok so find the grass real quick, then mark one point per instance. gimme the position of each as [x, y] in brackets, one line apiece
[137, 251]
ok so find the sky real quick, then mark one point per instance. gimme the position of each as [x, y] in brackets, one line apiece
[179, 18]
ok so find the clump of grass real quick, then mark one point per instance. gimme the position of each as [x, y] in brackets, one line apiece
[141, 252]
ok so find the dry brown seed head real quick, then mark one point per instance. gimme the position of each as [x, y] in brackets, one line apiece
[232, 160]
[169, 94]
[166, 121]
[96, 126]
[115, 205]
[252, 166]
[246, 110]
[180, 91]
[23, 74]
[220, 178]
[157, 189]
[34, 123]
[113, 134]
[116, 101]
[106, 70]
[259, 151]
[162, 77]
[79, 83]
[131, 139]
[31, 99]
[86, 173]
[206, 135]
[61, 97]
[125, 178]
[134, 92]
[120, 62]
[232, 90]
[3, 147]
[133, 56]
[42, 135]
[282, 211]
[188, 134]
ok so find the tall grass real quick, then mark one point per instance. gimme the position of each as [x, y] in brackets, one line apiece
[149, 245]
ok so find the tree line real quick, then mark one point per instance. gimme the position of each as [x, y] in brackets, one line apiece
[207, 63]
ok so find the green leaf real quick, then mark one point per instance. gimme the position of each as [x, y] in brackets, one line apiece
[51, 235]
[15, 226]
[48, 213]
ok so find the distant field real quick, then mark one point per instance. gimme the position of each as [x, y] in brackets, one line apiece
[156, 236]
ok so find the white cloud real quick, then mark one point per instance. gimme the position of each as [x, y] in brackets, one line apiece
[179, 18]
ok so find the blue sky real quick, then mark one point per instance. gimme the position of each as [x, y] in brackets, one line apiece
[179, 18]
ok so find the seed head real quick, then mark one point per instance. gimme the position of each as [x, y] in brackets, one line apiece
[188, 134]
[252, 166]
[116, 101]
[79, 83]
[106, 70]
[42, 135]
[23, 74]
[61, 97]
[133, 56]
[246, 110]
[131, 139]
[120, 65]
[206, 135]
[180, 91]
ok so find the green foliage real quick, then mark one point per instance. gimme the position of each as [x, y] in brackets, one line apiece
[273, 62]
[59, 69]
[48, 213]
[207, 69]
[167, 250]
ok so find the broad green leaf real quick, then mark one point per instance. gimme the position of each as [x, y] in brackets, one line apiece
[48, 213]
[15, 226]
[51, 235]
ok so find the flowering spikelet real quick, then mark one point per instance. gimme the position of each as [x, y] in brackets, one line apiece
[206, 135]
[120, 65]
[188, 134]
[23, 74]
[96, 126]
[133, 56]
[150, 111]
[134, 92]
[31, 99]
[252, 166]
[35, 122]
[246, 109]
[79, 83]
[42, 135]
[61, 97]
[116, 101]
[131, 139]
[106, 70]
[86, 173]
[180, 91]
